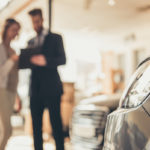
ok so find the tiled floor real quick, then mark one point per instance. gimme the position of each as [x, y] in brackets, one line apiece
[20, 141]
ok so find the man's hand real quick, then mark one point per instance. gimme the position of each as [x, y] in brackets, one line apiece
[38, 60]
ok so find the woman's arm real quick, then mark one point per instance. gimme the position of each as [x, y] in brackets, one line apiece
[6, 65]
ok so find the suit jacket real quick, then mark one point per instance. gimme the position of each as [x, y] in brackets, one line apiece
[45, 81]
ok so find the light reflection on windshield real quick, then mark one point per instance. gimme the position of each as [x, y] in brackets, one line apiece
[139, 90]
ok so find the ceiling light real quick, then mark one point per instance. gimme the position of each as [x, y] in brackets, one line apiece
[111, 2]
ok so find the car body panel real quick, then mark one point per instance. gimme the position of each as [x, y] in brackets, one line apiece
[125, 130]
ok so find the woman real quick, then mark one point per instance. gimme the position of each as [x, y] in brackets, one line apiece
[8, 79]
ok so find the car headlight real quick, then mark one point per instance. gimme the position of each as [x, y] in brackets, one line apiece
[138, 89]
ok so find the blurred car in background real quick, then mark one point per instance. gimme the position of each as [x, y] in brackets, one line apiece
[128, 128]
[88, 121]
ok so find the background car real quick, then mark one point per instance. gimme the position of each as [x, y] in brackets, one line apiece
[88, 121]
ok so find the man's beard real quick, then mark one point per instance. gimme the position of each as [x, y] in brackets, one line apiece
[39, 30]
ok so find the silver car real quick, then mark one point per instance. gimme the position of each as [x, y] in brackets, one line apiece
[128, 128]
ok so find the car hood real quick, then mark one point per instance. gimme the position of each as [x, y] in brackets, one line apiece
[124, 133]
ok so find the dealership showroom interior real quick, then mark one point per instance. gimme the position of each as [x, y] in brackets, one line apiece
[97, 52]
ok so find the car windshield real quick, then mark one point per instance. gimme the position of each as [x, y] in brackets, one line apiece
[138, 89]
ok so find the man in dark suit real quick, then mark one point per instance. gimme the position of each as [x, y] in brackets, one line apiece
[46, 87]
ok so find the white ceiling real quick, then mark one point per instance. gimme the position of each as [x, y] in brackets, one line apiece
[120, 19]
[99, 15]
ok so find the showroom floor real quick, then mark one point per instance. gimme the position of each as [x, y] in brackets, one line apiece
[20, 141]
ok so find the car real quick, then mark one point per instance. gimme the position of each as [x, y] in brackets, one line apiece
[88, 123]
[89, 120]
[128, 127]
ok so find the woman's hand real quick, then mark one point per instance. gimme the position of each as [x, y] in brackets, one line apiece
[14, 57]
[18, 104]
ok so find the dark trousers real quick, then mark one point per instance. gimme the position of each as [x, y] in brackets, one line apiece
[37, 107]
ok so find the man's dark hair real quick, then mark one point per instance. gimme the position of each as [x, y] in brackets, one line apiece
[36, 11]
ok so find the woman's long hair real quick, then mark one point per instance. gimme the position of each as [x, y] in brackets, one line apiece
[8, 23]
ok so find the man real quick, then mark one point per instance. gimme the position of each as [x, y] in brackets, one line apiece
[46, 87]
